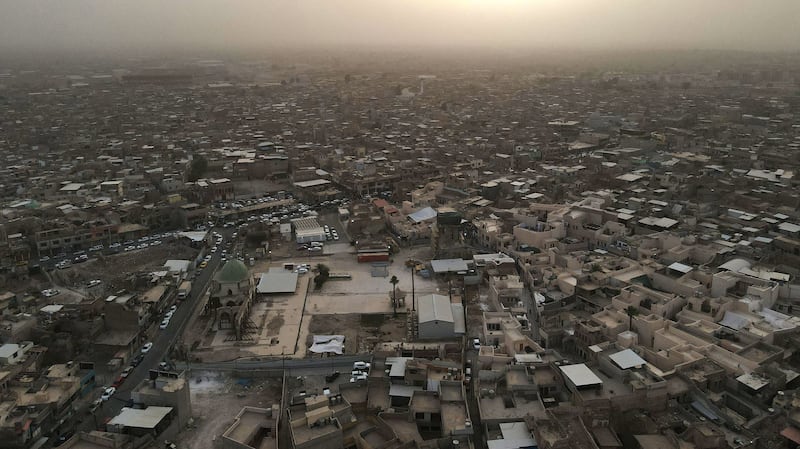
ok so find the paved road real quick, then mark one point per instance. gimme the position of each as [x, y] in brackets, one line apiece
[166, 338]
[293, 366]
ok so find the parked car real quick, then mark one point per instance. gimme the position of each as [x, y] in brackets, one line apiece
[50, 292]
[147, 347]
[476, 344]
[361, 366]
[332, 376]
[126, 372]
[164, 325]
[360, 377]
[94, 283]
[107, 393]
[117, 382]
[137, 360]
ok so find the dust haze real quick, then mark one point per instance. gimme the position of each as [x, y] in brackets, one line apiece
[115, 25]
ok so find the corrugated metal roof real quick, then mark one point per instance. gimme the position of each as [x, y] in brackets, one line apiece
[627, 359]
[435, 308]
[580, 375]
[277, 281]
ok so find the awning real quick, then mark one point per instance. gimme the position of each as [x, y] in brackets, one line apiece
[792, 434]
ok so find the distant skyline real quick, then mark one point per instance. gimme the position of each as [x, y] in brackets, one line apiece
[142, 25]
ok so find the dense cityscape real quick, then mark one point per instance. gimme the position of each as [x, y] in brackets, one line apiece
[321, 250]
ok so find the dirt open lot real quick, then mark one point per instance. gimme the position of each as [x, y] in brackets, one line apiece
[114, 269]
[361, 331]
[217, 398]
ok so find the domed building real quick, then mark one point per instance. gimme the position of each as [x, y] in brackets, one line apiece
[231, 296]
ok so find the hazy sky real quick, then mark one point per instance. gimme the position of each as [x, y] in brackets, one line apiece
[537, 24]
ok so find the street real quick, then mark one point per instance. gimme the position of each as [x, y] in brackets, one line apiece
[166, 338]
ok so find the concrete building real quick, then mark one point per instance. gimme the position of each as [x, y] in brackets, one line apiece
[253, 428]
[166, 389]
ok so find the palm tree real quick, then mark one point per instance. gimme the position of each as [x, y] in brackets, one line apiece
[631, 311]
[394, 281]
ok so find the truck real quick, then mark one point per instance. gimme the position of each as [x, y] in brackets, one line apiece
[184, 289]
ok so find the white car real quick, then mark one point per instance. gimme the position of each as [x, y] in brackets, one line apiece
[164, 324]
[147, 347]
[301, 270]
[360, 377]
[476, 344]
[94, 283]
[107, 393]
[361, 366]
[49, 293]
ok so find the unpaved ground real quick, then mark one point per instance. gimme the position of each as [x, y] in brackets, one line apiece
[113, 270]
[215, 402]
[361, 331]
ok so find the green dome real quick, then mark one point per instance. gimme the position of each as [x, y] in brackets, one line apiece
[234, 271]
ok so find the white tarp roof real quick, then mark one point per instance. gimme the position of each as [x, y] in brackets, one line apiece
[177, 266]
[327, 343]
[195, 236]
[677, 266]
[735, 265]
[51, 308]
[147, 418]
[734, 320]
[580, 375]
[421, 215]
[627, 359]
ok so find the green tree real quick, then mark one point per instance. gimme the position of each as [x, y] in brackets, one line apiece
[394, 281]
[323, 273]
[197, 168]
[631, 311]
